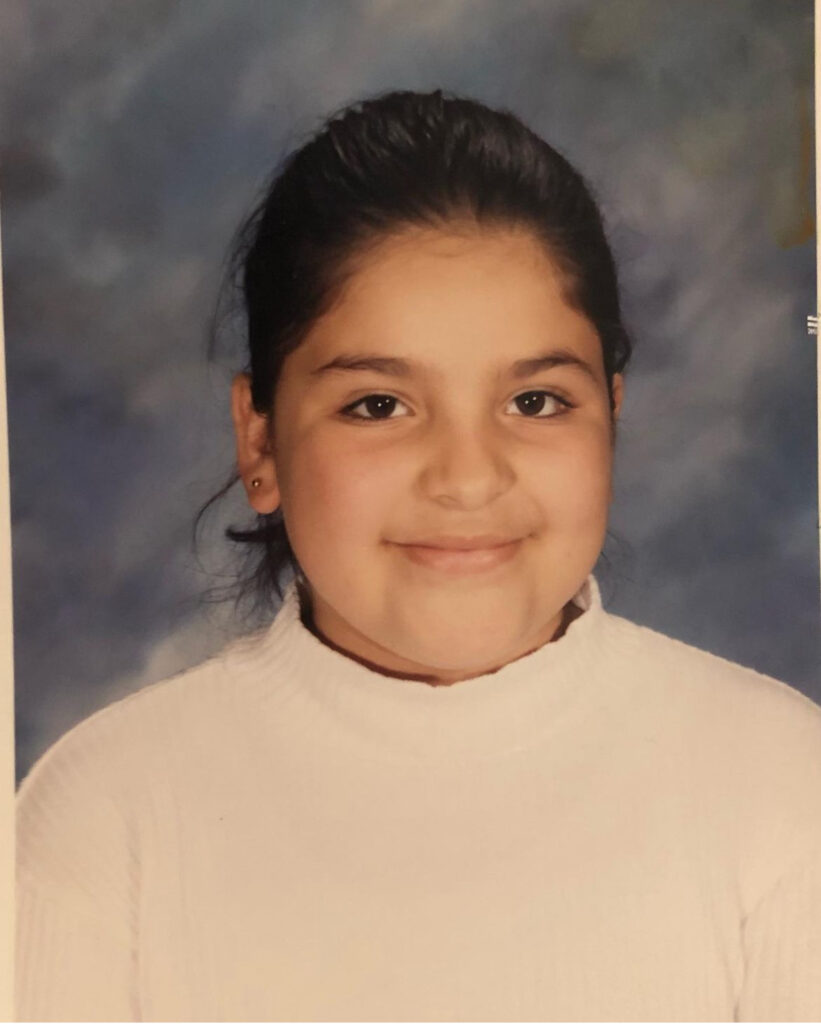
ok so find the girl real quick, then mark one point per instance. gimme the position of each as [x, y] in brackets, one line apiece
[444, 783]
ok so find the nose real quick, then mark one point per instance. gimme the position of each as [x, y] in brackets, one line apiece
[465, 466]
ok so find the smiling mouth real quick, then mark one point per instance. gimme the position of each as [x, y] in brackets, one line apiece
[460, 559]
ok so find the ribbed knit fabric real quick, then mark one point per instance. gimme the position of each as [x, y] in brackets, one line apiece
[614, 827]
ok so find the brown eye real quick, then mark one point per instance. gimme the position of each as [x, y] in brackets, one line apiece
[539, 404]
[377, 407]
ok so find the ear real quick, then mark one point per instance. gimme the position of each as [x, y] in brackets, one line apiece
[255, 459]
[618, 397]
[618, 394]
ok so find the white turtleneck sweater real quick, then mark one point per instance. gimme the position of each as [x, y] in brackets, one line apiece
[614, 827]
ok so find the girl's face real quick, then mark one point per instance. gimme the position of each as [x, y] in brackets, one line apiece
[442, 451]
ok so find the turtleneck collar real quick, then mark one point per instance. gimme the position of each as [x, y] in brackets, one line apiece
[387, 717]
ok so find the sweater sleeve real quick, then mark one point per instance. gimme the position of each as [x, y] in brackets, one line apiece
[782, 949]
[76, 949]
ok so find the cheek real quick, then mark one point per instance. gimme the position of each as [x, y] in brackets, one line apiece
[333, 495]
[573, 482]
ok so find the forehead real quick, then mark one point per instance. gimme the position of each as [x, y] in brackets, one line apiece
[472, 294]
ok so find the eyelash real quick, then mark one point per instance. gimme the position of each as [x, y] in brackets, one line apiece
[348, 409]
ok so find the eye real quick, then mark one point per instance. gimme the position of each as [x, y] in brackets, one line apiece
[539, 404]
[377, 407]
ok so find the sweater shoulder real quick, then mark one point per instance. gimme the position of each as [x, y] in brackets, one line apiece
[171, 743]
[740, 747]
[738, 729]
[203, 697]
[680, 671]
[133, 731]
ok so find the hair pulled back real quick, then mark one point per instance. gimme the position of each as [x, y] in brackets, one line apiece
[398, 160]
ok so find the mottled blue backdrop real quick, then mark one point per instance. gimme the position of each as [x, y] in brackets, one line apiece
[135, 136]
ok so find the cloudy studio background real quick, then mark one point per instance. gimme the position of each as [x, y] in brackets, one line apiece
[136, 135]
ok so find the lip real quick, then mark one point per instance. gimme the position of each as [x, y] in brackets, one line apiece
[453, 543]
[462, 555]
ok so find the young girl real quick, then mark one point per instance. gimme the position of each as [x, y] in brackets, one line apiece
[444, 783]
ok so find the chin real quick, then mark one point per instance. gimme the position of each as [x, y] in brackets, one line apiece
[469, 655]
[487, 630]
[477, 664]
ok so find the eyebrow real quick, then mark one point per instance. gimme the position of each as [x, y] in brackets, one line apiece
[394, 367]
